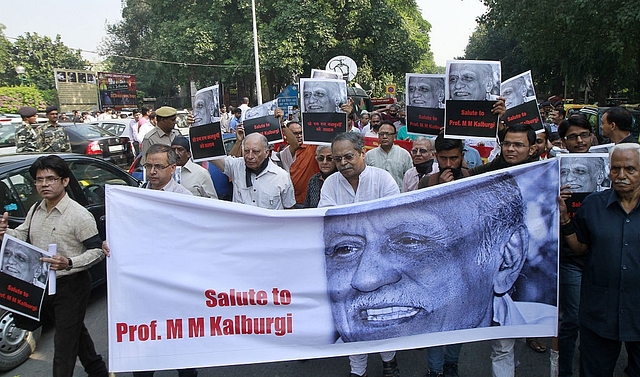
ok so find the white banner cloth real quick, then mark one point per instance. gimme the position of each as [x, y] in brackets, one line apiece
[195, 282]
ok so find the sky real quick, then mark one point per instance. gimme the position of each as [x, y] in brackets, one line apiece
[81, 23]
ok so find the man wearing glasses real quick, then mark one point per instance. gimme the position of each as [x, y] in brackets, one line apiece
[423, 164]
[388, 156]
[164, 133]
[297, 158]
[161, 161]
[358, 182]
[518, 147]
[58, 219]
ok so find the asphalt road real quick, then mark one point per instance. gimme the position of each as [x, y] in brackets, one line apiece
[474, 358]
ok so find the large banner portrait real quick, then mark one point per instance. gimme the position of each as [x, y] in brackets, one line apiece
[472, 88]
[425, 103]
[23, 277]
[520, 101]
[220, 283]
[206, 106]
[322, 118]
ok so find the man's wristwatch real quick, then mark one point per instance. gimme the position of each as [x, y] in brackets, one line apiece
[70, 266]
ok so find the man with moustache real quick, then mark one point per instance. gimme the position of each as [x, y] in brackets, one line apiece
[388, 156]
[423, 163]
[163, 133]
[607, 228]
[257, 181]
[321, 96]
[470, 81]
[358, 182]
[514, 92]
[53, 137]
[426, 92]
[450, 155]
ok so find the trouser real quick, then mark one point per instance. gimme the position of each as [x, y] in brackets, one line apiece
[438, 356]
[503, 357]
[570, 278]
[359, 362]
[181, 373]
[598, 355]
[71, 339]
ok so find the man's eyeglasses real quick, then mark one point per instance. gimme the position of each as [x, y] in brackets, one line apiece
[47, 180]
[346, 157]
[517, 145]
[322, 158]
[157, 167]
[583, 136]
[386, 134]
[421, 150]
[297, 133]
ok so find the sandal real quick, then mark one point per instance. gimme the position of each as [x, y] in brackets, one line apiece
[536, 345]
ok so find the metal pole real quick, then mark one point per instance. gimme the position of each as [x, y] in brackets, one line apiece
[255, 52]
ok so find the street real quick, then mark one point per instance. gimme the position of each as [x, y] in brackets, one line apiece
[474, 358]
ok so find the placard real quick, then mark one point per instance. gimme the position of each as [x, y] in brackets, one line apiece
[470, 119]
[23, 277]
[206, 142]
[321, 128]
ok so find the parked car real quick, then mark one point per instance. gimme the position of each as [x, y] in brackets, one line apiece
[18, 193]
[117, 127]
[94, 141]
[594, 116]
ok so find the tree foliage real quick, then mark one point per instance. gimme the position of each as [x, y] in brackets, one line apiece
[593, 43]
[39, 56]
[385, 37]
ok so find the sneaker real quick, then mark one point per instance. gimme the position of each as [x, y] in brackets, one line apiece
[433, 373]
[390, 369]
[450, 370]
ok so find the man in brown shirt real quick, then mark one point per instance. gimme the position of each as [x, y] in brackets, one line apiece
[59, 220]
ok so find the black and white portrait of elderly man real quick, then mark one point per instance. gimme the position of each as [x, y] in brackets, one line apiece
[323, 96]
[437, 264]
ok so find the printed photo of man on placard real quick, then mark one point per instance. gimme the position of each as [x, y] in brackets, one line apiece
[584, 172]
[446, 262]
[206, 106]
[471, 80]
[518, 90]
[22, 261]
[323, 96]
[425, 91]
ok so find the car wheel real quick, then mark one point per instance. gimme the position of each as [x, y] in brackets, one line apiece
[16, 344]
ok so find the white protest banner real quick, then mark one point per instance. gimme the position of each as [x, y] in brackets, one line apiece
[208, 283]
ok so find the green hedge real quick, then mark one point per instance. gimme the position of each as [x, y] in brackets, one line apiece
[14, 97]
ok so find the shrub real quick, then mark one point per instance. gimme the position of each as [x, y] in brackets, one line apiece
[14, 97]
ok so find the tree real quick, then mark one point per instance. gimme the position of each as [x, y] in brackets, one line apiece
[578, 41]
[40, 56]
[6, 70]
[215, 40]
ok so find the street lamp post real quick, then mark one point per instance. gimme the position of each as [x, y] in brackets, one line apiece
[20, 71]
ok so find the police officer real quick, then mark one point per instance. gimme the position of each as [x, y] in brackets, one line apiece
[53, 137]
[26, 134]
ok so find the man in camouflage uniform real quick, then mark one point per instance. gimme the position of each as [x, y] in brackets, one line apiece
[26, 134]
[53, 137]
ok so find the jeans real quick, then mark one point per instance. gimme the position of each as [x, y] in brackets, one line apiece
[438, 356]
[570, 278]
[71, 339]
